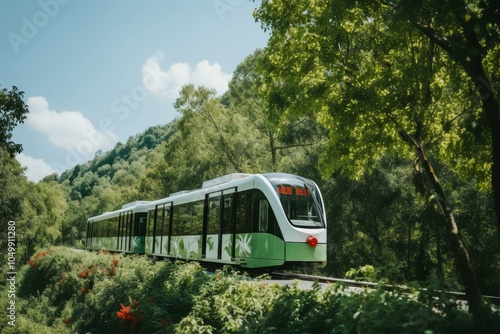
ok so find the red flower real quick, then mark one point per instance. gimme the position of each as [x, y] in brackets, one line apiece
[82, 274]
[114, 263]
[67, 320]
[130, 317]
[124, 312]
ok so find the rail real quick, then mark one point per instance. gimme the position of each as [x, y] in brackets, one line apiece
[388, 287]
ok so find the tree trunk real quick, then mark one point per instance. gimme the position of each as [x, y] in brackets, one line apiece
[462, 260]
[470, 57]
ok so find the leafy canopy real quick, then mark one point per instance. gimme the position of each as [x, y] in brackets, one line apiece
[366, 77]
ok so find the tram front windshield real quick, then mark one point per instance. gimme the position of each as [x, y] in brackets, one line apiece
[301, 203]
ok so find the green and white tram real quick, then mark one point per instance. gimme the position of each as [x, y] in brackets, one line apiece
[250, 220]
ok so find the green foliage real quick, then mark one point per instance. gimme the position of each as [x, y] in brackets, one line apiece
[13, 111]
[71, 291]
[366, 74]
[228, 303]
[341, 81]
[364, 273]
[13, 184]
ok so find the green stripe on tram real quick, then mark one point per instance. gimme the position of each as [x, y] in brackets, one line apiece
[301, 251]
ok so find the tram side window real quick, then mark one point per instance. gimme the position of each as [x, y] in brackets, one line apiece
[151, 222]
[263, 215]
[141, 224]
[102, 229]
[132, 224]
[109, 228]
[244, 212]
[227, 213]
[116, 223]
[88, 233]
[105, 228]
[182, 220]
[213, 215]
[127, 224]
[121, 230]
[160, 220]
[112, 227]
[197, 222]
[166, 218]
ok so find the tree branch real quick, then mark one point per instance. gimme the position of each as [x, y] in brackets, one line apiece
[434, 36]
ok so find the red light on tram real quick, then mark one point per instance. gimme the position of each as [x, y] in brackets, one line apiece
[285, 190]
[302, 192]
[312, 241]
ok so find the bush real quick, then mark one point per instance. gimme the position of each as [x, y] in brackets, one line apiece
[65, 291]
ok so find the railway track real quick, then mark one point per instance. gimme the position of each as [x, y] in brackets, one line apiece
[458, 296]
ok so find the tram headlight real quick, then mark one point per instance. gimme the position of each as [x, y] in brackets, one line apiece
[312, 241]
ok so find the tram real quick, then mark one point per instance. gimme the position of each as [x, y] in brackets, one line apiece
[273, 220]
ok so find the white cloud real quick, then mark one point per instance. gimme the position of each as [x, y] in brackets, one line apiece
[37, 169]
[168, 82]
[68, 129]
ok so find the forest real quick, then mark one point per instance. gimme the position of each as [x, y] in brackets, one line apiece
[391, 107]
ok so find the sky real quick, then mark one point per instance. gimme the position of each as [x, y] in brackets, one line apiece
[96, 72]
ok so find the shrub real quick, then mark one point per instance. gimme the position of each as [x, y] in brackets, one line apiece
[106, 293]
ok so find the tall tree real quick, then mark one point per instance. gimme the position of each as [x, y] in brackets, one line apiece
[13, 111]
[469, 32]
[41, 223]
[371, 82]
[230, 132]
[243, 98]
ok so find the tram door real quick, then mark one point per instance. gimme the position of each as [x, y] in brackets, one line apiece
[162, 228]
[218, 228]
[124, 231]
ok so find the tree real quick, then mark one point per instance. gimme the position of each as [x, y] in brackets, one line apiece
[13, 111]
[374, 84]
[44, 209]
[243, 98]
[469, 32]
[226, 136]
[14, 186]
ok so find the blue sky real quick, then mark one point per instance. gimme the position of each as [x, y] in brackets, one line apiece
[96, 72]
